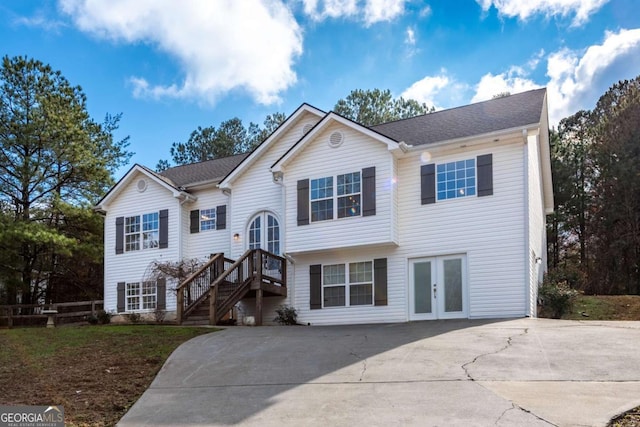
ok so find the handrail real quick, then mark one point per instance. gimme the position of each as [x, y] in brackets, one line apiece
[225, 281]
[196, 287]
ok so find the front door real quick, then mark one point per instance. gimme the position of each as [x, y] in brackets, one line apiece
[438, 288]
[264, 233]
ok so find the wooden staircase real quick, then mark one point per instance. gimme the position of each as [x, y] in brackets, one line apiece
[213, 290]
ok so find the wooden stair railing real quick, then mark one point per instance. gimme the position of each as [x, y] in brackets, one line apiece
[225, 282]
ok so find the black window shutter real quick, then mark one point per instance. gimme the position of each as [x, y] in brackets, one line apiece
[485, 175]
[163, 238]
[303, 202]
[194, 218]
[161, 293]
[369, 191]
[119, 235]
[380, 280]
[315, 290]
[428, 183]
[221, 217]
[121, 302]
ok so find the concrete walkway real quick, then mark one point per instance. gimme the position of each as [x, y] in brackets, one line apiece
[525, 372]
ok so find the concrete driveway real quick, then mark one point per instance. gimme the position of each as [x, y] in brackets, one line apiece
[524, 372]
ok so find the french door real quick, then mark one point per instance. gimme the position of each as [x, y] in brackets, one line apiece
[438, 288]
[264, 233]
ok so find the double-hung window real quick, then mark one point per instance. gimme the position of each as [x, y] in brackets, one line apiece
[344, 202]
[456, 179]
[322, 199]
[349, 284]
[141, 230]
[141, 296]
[349, 195]
[207, 219]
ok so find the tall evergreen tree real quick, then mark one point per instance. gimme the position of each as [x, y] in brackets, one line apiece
[52, 154]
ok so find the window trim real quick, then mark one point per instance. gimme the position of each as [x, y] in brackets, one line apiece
[468, 190]
[135, 301]
[335, 197]
[210, 219]
[143, 238]
[346, 284]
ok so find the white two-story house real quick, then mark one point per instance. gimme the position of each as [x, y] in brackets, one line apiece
[434, 217]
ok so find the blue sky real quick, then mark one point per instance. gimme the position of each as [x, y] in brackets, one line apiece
[169, 66]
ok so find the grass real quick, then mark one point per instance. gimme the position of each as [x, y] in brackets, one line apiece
[95, 372]
[605, 307]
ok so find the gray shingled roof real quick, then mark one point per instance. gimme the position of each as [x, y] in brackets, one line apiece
[209, 170]
[508, 112]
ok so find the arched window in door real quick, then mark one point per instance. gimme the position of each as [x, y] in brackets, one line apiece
[264, 233]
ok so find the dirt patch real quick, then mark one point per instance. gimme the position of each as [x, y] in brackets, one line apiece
[95, 376]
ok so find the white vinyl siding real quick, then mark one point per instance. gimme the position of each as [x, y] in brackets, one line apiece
[201, 245]
[490, 230]
[318, 159]
[131, 267]
[537, 223]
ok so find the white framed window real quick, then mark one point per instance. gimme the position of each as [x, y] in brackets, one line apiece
[456, 179]
[132, 233]
[344, 202]
[345, 285]
[150, 230]
[141, 231]
[141, 296]
[207, 219]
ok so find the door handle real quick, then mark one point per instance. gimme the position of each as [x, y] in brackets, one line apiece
[434, 290]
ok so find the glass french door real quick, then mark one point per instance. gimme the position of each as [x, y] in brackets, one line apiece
[438, 288]
[264, 233]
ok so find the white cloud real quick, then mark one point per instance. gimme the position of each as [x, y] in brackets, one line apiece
[512, 81]
[40, 21]
[576, 82]
[576, 78]
[369, 11]
[410, 37]
[220, 46]
[524, 9]
[427, 89]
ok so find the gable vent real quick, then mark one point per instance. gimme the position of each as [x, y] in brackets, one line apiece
[336, 139]
[306, 128]
[141, 185]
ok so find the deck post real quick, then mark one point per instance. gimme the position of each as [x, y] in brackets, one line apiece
[258, 307]
[179, 305]
[213, 309]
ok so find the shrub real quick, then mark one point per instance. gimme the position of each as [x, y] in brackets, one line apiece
[556, 297]
[134, 317]
[286, 315]
[159, 315]
[104, 317]
[100, 317]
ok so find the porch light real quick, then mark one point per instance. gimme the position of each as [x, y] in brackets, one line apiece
[236, 237]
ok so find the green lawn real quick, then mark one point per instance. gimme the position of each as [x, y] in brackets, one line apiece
[95, 372]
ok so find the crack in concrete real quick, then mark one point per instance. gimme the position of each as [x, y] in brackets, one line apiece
[513, 406]
[364, 364]
[507, 345]
[537, 416]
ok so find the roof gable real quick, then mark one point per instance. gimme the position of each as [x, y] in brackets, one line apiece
[513, 111]
[126, 180]
[326, 121]
[263, 147]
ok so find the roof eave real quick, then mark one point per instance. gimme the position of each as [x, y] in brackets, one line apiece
[280, 164]
[227, 181]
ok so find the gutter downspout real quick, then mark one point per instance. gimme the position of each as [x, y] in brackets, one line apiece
[278, 179]
[527, 249]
